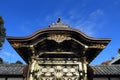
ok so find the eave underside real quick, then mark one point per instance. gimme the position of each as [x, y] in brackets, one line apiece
[80, 44]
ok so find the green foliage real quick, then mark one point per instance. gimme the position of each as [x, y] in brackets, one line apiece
[2, 32]
[1, 60]
[1, 20]
[18, 62]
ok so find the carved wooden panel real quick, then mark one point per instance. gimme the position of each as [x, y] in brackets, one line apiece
[57, 70]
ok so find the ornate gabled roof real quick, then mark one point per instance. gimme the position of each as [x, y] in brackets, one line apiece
[58, 37]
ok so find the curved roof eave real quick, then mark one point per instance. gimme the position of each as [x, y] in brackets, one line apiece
[44, 30]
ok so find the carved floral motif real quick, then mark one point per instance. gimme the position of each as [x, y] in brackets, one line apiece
[59, 37]
[97, 46]
[16, 44]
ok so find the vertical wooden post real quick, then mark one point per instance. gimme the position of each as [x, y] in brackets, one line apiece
[84, 64]
[31, 70]
[80, 71]
[31, 64]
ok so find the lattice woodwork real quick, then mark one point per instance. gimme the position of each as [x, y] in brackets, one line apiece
[57, 69]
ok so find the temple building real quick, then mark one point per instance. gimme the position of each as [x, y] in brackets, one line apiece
[60, 52]
[116, 60]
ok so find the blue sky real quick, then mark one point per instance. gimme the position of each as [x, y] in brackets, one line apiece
[97, 18]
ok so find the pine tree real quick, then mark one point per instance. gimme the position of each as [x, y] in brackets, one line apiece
[2, 32]
[1, 60]
[18, 62]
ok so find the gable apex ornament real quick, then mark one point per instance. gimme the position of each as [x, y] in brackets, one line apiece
[59, 20]
[58, 24]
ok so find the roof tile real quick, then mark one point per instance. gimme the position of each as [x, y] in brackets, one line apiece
[17, 69]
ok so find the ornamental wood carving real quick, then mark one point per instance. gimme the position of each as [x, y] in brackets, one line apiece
[101, 46]
[59, 37]
[57, 69]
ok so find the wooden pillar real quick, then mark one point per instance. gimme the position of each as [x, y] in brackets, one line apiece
[31, 69]
[32, 63]
[84, 65]
[80, 71]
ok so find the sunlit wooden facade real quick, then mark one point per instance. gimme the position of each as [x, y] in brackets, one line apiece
[58, 52]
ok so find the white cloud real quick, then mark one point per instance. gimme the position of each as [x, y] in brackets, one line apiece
[87, 27]
[116, 2]
[88, 23]
[96, 14]
[7, 54]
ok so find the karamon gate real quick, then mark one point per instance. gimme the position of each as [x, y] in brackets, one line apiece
[58, 52]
